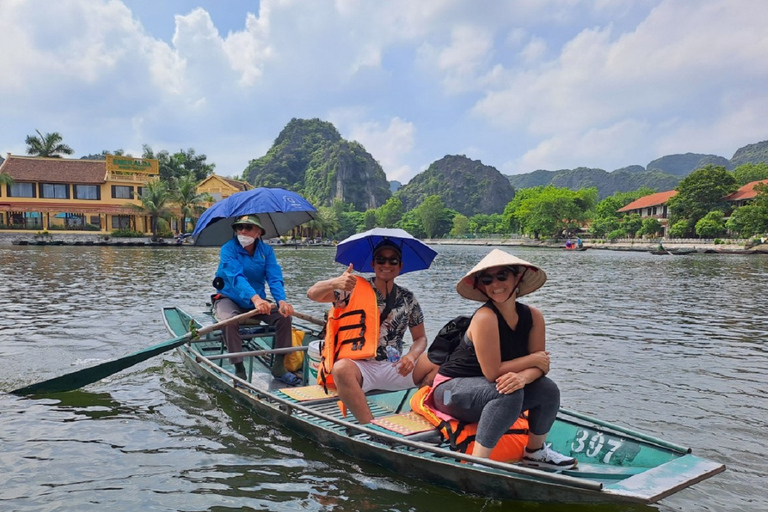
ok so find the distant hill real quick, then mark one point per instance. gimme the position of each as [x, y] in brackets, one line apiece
[310, 157]
[464, 185]
[607, 183]
[751, 154]
[661, 174]
[683, 165]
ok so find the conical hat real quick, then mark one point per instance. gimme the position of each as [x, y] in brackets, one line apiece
[533, 278]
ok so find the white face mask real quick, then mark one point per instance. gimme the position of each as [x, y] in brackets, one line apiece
[245, 240]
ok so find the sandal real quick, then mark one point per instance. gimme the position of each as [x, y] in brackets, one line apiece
[290, 378]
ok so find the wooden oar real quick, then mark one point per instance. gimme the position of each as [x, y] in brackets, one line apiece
[308, 318]
[90, 375]
[256, 353]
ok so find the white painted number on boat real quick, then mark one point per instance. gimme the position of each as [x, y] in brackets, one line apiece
[592, 446]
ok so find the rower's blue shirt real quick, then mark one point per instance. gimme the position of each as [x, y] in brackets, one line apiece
[245, 275]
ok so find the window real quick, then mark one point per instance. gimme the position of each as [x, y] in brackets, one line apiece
[21, 190]
[121, 221]
[122, 192]
[54, 191]
[87, 192]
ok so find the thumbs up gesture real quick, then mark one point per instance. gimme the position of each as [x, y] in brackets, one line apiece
[347, 280]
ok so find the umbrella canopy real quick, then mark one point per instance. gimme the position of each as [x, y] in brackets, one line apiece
[358, 249]
[280, 211]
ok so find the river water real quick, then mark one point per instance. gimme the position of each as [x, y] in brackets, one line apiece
[671, 345]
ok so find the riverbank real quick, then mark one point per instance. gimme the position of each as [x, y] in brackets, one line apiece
[670, 246]
[7, 238]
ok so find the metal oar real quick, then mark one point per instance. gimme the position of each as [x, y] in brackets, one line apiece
[90, 375]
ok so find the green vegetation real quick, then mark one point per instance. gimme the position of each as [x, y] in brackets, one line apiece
[464, 185]
[748, 173]
[699, 193]
[751, 219]
[49, 145]
[460, 197]
[155, 202]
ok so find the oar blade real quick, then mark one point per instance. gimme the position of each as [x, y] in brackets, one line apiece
[90, 375]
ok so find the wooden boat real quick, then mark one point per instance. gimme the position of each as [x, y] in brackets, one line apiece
[673, 252]
[616, 464]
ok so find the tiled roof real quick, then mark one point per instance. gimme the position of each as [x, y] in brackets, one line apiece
[239, 185]
[54, 170]
[746, 192]
[648, 201]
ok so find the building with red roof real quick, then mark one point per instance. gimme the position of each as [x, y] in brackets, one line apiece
[75, 195]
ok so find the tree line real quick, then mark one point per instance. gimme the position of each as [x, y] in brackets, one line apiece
[697, 210]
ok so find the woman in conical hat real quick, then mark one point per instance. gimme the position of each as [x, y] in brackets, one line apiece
[499, 368]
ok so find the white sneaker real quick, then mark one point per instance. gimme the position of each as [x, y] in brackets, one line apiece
[547, 458]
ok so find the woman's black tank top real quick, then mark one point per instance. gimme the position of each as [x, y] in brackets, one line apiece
[463, 362]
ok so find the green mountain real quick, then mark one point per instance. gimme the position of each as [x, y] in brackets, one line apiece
[683, 165]
[661, 174]
[750, 154]
[310, 157]
[464, 185]
[607, 183]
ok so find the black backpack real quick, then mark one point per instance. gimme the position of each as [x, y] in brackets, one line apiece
[448, 339]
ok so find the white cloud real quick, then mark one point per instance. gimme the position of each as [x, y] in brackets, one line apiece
[554, 84]
[388, 144]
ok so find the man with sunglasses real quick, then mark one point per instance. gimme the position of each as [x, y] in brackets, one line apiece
[392, 369]
[246, 264]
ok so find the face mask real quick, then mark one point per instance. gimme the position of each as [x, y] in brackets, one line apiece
[245, 240]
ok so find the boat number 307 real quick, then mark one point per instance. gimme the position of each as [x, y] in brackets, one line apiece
[596, 445]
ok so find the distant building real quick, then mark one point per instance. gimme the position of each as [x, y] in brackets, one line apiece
[75, 195]
[745, 194]
[219, 187]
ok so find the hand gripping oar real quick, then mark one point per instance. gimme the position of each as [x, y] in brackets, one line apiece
[90, 375]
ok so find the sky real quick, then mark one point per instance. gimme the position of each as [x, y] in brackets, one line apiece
[520, 85]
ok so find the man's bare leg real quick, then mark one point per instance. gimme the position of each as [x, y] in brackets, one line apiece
[349, 382]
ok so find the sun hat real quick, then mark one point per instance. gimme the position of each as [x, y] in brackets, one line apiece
[388, 244]
[533, 276]
[253, 220]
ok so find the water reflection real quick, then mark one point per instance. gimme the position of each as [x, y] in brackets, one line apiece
[672, 346]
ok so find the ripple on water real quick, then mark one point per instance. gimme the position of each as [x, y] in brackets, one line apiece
[671, 346]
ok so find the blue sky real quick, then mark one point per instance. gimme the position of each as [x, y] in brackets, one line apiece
[519, 84]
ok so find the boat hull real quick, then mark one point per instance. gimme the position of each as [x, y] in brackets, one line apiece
[601, 478]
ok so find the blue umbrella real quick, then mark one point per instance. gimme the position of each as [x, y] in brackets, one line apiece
[358, 249]
[280, 211]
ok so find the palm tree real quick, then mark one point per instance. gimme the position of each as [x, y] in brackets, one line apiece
[184, 194]
[326, 223]
[154, 201]
[49, 145]
[5, 179]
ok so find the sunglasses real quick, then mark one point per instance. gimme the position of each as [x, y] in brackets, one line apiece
[501, 275]
[381, 260]
[245, 227]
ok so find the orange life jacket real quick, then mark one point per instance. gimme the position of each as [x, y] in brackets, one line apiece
[461, 435]
[352, 331]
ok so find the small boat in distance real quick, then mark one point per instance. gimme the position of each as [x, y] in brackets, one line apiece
[616, 464]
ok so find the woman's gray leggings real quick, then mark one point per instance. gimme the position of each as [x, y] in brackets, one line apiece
[475, 400]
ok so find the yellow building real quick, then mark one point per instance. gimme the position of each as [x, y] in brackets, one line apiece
[219, 187]
[75, 195]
